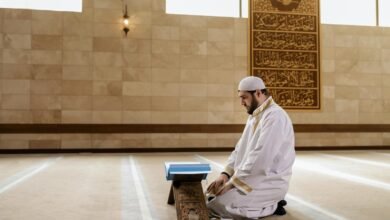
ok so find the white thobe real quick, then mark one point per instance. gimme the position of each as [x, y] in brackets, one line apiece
[260, 165]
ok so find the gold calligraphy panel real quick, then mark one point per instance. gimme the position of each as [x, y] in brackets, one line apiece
[284, 50]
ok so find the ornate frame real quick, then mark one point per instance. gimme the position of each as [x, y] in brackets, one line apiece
[284, 50]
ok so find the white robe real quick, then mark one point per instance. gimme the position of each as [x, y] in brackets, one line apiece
[260, 165]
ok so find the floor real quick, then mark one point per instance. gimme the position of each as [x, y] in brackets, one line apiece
[325, 185]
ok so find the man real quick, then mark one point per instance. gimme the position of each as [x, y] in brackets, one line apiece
[255, 180]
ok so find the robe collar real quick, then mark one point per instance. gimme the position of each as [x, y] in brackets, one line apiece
[259, 111]
[263, 107]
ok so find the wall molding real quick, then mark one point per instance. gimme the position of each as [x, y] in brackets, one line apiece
[177, 128]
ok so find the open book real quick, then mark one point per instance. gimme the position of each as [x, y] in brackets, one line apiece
[186, 170]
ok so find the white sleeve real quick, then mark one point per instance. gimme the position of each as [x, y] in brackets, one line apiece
[229, 168]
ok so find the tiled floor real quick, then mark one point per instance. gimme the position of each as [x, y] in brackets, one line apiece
[325, 185]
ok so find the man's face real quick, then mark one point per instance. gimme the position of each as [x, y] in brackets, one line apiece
[248, 101]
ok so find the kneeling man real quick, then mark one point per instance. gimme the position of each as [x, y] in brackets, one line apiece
[256, 178]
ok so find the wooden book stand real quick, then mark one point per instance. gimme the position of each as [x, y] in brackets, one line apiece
[187, 194]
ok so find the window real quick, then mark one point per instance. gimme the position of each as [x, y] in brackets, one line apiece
[349, 12]
[244, 8]
[345, 12]
[219, 8]
[52, 5]
[384, 15]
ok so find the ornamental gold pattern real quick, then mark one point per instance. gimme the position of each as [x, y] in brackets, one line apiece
[284, 50]
[190, 202]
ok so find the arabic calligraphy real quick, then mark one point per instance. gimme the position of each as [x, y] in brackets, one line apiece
[285, 59]
[284, 41]
[288, 78]
[295, 98]
[284, 22]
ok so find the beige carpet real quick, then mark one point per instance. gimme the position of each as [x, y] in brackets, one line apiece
[325, 185]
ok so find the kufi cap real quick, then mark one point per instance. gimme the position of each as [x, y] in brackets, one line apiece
[251, 83]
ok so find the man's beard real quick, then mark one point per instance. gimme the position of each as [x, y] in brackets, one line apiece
[254, 104]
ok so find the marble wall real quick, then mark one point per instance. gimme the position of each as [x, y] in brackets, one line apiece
[79, 68]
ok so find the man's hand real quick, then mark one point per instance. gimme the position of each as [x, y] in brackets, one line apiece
[218, 183]
[224, 189]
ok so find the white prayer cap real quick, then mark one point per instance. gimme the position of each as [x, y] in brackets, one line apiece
[251, 83]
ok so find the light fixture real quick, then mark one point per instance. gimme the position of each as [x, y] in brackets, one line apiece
[126, 28]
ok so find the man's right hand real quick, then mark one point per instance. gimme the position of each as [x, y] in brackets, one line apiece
[218, 183]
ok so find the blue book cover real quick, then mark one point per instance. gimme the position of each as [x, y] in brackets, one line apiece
[186, 168]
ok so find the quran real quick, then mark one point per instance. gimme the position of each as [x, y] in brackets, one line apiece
[184, 170]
